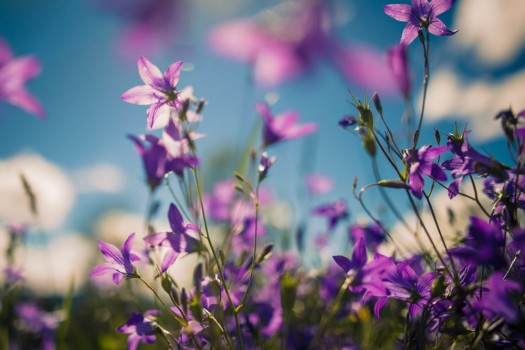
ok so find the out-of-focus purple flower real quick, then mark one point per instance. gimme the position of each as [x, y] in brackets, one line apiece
[358, 258]
[483, 245]
[158, 162]
[334, 212]
[421, 14]
[118, 262]
[373, 235]
[285, 41]
[220, 202]
[39, 322]
[13, 275]
[420, 163]
[150, 25]
[140, 328]
[282, 127]
[398, 62]
[160, 90]
[318, 184]
[496, 300]
[179, 240]
[14, 73]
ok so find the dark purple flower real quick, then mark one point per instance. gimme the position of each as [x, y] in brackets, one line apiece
[14, 73]
[140, 328]
[350, 267]
[421, 14]
[39, 322]
[119, 262]
[496, 300]
[466, 161]
[420, 164]
[286, 40]
[282, 127]
[334, 212]
[160, 90]
[398, 62]
[179, 239]
[483, 245]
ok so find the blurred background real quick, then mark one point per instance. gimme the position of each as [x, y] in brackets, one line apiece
[86, 174]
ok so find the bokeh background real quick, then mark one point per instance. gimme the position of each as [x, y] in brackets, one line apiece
[86, 173]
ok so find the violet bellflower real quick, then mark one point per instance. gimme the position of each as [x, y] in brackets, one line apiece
[40, 323]
[397, 57]
[178, 240]
[284, 41]
[118, 262]
[420, 163]
[282, 127]
[14, 73]
[318, 184]
[160, 90]
[496, 301]
[140, 328]
[421, 14]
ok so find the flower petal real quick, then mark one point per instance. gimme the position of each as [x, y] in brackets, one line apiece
[141, 95]
[5, 52]
[150, 73]
[173, 73]
[111, 253]
[175, 219]
[399, 12]
[440, 6]
[409, 33]
[26, 101]
[438, 28]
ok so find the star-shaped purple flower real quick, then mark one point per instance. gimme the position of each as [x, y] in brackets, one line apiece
[118, 262]
[140, 328]
[282, 127]
[160, 90]
[421, 14]
[14, 72]
[334, 212]
[420, 164]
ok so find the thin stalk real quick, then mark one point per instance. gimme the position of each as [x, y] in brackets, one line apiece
[426, 48]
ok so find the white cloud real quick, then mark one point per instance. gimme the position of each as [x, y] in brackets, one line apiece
[105, 178]
[53, 191]
[476, 102]
[493, 29]
[50, 269]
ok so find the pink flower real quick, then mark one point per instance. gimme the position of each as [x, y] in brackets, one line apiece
[318, 184]
[160, 90]
[14, 72]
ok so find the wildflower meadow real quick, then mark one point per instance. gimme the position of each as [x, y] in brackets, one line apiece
[391, 222]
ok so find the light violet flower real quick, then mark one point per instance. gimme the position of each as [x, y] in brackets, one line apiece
[39, 322]
[118, 262]
[334, 212]
[14, 73]
[282, 127]
[160, 90]
[398, 62]
[285, 41]
[318, 184]
[421, 14]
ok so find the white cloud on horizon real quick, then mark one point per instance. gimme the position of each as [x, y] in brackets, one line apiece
[101, 178]
[494, 30]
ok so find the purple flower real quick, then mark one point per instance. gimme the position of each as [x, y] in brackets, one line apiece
[285, 41]
[373, 235]
[178, 240]
[334, 212]
[421, 14]
[318, 184]
[140, 328]
[496, 301]
[483, 245]
[398, 62]
[157, 160]
[265, 164]
[160, 90]
[14, 72]
[282, 127]
[420, 164]
[119, 262]
[39, 322]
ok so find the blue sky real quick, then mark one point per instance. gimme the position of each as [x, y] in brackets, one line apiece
[83, 77]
